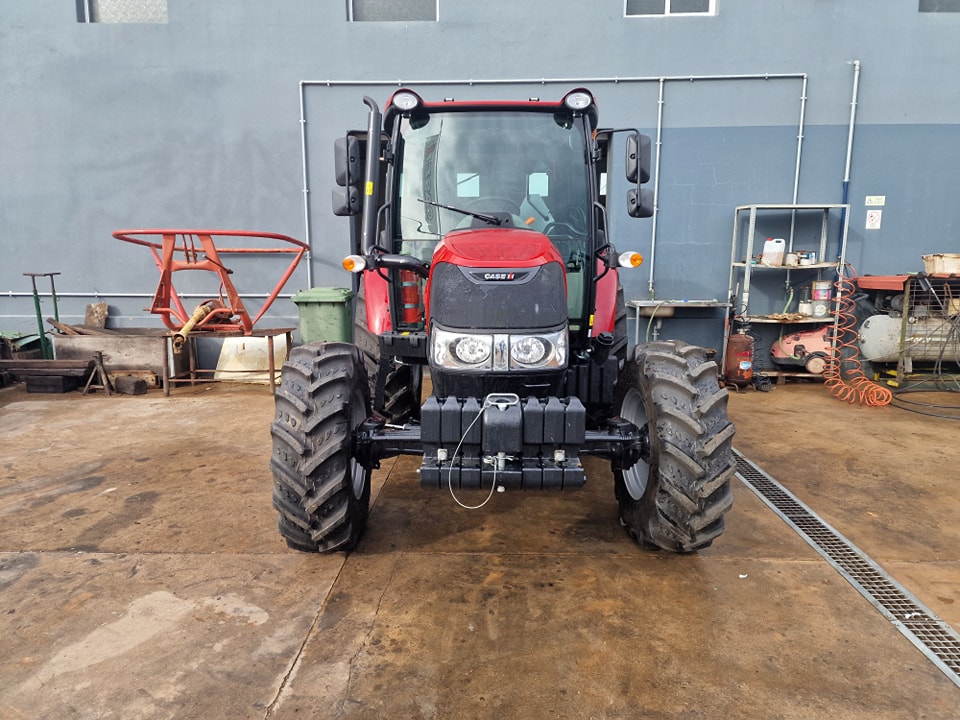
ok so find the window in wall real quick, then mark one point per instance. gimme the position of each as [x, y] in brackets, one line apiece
[939, 5]
[393, 10]
[646, 8]
[122, 11]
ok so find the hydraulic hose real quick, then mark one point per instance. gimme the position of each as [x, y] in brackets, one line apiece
[843, 374]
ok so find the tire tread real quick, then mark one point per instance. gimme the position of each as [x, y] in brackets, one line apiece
[691, 457]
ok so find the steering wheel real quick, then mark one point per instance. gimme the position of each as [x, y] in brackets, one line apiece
[578, 220]
[560, 228]
[502, 204]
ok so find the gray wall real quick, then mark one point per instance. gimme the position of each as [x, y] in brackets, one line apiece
[196, 123]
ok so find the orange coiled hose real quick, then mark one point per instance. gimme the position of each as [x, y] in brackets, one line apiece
[843, 376]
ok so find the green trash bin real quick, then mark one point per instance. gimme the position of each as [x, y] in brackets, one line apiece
[325, 314]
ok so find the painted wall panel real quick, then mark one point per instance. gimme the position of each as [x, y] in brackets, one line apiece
[197, 122]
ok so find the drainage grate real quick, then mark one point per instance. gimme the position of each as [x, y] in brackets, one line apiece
[931, 635]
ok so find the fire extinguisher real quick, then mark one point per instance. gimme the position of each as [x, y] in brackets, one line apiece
[411, 299]
[738, 366]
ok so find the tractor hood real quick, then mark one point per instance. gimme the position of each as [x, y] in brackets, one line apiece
[496, 247]
[498, 278]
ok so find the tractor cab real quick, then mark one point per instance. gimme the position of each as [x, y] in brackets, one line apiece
[450, 167]
[479, 170]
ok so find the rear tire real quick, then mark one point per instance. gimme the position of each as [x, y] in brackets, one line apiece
[620, 332]
[675, 496]
[320, 491]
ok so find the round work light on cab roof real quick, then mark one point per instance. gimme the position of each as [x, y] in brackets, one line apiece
[405, 100]
[578, 99]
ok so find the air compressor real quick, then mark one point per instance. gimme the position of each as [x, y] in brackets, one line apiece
[808, 349]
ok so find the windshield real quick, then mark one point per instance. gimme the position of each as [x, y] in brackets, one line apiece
[520, 169]
[486, 169]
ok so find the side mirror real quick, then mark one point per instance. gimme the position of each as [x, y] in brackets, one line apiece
[346, 156]
[346, 201]
[640, 202]
[638, 158]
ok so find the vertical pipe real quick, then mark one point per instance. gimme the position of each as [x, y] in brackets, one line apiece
[656, 190]
[846, 168]
[801, 125]
[796, 173]
[853, 119]
[371, 177]
[306, 184]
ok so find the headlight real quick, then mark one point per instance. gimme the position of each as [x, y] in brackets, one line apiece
[472, 350]
[460, 350]
[498, 352]
[528, 350]
[542, 351]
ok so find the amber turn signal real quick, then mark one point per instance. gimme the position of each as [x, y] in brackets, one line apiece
[630, 259]
[354, 263]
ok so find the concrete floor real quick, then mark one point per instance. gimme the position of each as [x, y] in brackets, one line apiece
[141, 576]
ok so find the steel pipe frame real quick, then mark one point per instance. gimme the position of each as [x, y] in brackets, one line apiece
[182, 243]
[661, 80]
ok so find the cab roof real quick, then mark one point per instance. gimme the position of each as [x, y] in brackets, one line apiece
[405, 101]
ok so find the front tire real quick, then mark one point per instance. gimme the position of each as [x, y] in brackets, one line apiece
[322, 494]
[674, 497]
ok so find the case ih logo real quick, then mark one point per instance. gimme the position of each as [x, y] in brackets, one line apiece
[504, 275]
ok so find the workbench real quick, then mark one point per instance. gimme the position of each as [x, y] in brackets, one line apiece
[656, 310]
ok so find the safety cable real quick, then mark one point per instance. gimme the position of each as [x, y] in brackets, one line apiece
[488, 402]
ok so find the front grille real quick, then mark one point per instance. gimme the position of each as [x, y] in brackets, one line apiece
[461, 298]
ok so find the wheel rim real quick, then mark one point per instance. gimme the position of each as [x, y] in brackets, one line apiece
[637, 476]
[816, 364]
[358, 473]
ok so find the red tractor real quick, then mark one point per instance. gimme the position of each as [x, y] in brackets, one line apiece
[481, 247]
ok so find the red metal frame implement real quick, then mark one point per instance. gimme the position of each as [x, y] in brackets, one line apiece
[178, 250]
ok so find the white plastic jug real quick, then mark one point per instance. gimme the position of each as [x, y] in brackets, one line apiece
[773, 250]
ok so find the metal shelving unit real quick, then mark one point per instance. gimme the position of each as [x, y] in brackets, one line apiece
[743, 248]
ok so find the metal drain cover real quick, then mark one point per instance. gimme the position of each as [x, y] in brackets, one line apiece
[931, 635]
